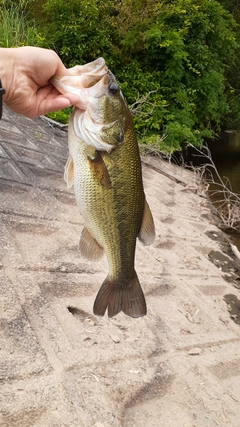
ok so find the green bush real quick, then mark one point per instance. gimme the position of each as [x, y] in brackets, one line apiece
[77, 30]
[187, 49]
[176, 60]
[61, 116]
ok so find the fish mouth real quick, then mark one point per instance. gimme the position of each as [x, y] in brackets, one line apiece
[87, 81]
[90, 73]
[81, 76]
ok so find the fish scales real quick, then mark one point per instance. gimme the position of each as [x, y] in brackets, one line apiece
[113, 214]
[109, 190]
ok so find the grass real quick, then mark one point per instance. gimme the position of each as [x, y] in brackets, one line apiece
[15, 28]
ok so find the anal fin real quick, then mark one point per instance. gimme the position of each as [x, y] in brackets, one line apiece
[147, 232]
[89, 247]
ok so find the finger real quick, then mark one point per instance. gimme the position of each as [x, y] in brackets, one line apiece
[55, 104]
[72, 97]
[60, 69]
[49, 105]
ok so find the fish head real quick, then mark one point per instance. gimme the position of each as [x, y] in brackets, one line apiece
[99, 118]
[107, 108]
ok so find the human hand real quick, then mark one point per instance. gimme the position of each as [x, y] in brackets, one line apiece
[25, 73]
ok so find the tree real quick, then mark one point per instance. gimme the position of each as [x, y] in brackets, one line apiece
[185, 51]
[176, 60]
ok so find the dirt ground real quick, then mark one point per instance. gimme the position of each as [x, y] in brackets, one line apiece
[60, 366]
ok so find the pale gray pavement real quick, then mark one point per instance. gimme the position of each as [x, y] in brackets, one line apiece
[61, 366]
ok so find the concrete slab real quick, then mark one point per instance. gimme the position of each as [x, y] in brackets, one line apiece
[62, 366]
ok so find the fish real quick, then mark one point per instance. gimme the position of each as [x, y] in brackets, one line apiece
[104, 166]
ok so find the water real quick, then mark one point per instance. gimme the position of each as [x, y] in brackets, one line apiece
[226, 156]
[225, 152]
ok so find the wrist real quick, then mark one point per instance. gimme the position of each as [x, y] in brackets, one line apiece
[2, 92]
[6, 70]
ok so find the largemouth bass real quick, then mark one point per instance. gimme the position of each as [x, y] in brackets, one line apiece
[105, 167]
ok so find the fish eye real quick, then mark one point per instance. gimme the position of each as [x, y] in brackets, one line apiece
[113, 88]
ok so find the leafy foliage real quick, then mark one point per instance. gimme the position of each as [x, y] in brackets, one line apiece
[176, 60]
[186, 51]
[61, 116]
[77, 30]
[232, 118]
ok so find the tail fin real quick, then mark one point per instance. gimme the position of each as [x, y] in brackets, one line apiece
[116, 296]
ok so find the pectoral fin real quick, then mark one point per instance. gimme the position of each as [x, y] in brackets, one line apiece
[99, 169]
[147, 232]
[89, 247]
[69, 172]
